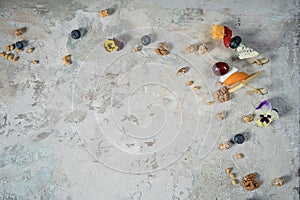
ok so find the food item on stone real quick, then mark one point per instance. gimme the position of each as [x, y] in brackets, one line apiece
[236, 78]
[243, 52]
[220, 116]
[75, 34]
[220, 68]
[10, 56]
[2, 53]
[239, 138]
[203, 48]
[19, 50]
[209, 103]
[20, 31]
[218, 32]
[16, 58]
[240, 156]
[249, 182]
[278, 181]
[196, 88]
[19, 45]
[232, 176]
[182, 70]
[227, 36]
[234, 182]
[10, 47]
[228, 170]
[235, 42]
[189, 83]
[145, 40]
[104, 13]
[222, 94]
[191, 48]
[219, 83]
[162, 49]
[67, 60]
[248, 118]
[225, 145]
[35, 62]
[30, 50]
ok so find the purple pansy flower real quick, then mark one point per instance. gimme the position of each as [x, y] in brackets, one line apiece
[265, 114]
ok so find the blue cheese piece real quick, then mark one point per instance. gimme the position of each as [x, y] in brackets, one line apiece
[225, 76]
[244, 52]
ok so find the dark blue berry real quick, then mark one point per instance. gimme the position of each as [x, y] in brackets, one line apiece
[235, 42]
[19, 45]
[75, 34]
[145, 40]
[239, 138]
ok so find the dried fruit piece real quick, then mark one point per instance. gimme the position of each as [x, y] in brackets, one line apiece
[162, 49]
[249, 182]
[278, 181]
[240, 156]
[191, 48]
[35, 62]
[189, 83]
[20, 31]
[67, 59]
[228, 170]
[30, 50]
[236, 78]
[220, 116]
[203, 48]
[248, 118]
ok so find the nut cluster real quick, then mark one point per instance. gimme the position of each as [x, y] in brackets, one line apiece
[222, 94]
[249, 182]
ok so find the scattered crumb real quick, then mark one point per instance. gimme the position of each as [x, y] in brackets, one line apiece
[35, 62]
[209, 103]
[220, 116]
[240, 156]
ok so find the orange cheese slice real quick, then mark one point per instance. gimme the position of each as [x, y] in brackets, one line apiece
[218, 32]
[236, 78]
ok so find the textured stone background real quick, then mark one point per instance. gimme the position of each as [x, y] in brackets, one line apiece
[55, 121]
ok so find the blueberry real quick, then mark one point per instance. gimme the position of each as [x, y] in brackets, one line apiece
[145, 40]
[239, 138]
[235, 42]
[75, 34]
[19, 45]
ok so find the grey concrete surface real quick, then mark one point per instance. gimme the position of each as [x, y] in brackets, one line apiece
[124, 125]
